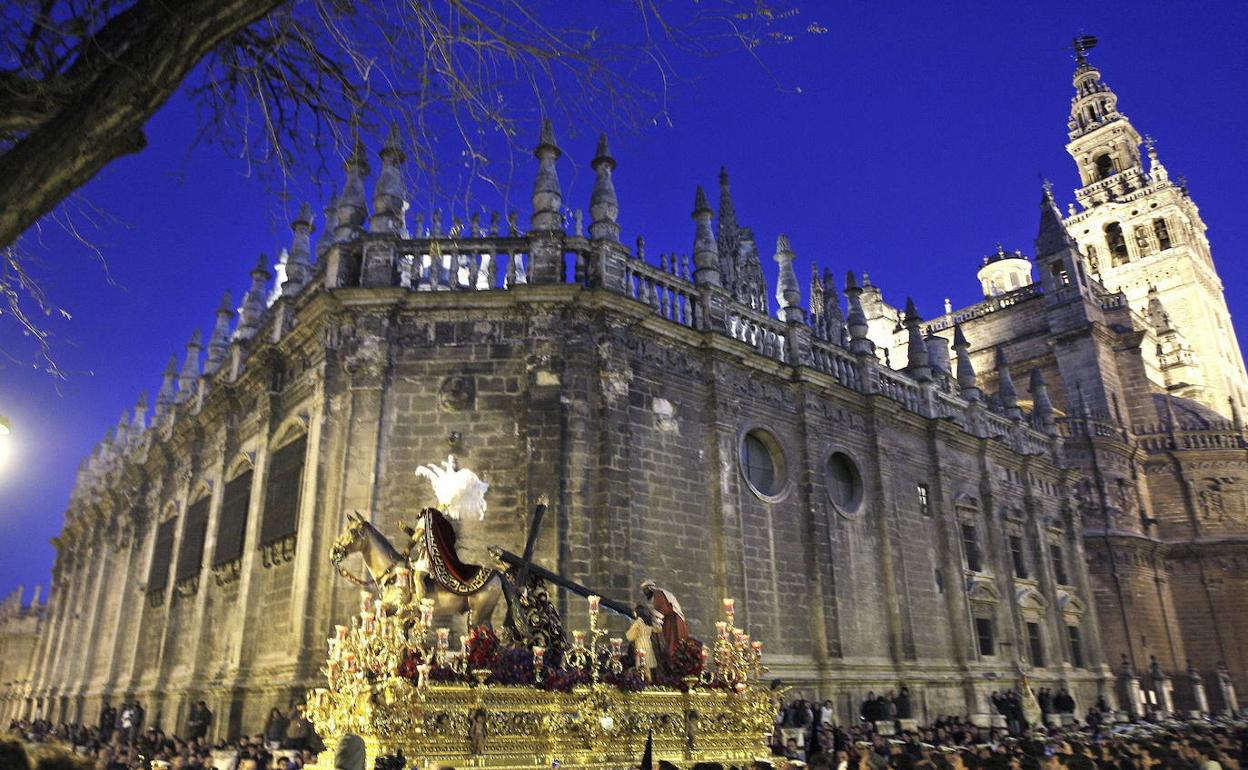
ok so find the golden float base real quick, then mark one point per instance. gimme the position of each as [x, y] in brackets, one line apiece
[522, 728]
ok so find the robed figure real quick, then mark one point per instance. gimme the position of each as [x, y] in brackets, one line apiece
[674, 629]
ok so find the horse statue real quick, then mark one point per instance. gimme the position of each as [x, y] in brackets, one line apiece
[430, 567]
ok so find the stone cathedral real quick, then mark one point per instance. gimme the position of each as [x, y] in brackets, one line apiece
[1051, 482]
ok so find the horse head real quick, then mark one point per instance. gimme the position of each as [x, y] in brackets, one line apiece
[352, 539]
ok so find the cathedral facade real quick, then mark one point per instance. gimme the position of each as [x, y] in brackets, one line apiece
[887, 506]
[1128, 323]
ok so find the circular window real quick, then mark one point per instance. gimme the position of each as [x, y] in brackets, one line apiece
[844, 482]
[762, 462]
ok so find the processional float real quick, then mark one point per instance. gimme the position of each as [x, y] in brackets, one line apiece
[524, 697]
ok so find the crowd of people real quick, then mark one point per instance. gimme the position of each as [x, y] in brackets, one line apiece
[807, 735]
[119, 742]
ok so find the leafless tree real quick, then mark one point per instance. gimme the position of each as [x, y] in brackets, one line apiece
[289, 80]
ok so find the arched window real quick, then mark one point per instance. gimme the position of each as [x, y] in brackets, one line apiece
[1116, 244]
[1104, 166]
[1093, 261]
[232, 524]
[1162, 232]
[282, 492]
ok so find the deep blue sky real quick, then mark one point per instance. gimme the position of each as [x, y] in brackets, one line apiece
[915, 143]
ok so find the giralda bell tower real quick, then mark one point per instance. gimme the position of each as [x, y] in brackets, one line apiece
[1142, 235]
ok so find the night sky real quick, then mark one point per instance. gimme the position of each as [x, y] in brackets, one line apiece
[906, 142]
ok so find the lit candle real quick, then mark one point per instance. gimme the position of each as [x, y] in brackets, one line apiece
[340, 632]
[641, 659]
[463, 643]
[539, 656]
[593, 604]
[617, 646]
[366, 600]
[738, 635]
[444, 636]
[721, 628]
[706, 653]
[578, 639]
[730, 606]
[758, 647]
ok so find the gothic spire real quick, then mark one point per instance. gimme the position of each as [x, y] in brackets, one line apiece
[166, 397]
[1005, 386]
[390, 193]
[190, 368]
[252, 309]
[705, 250]
[1052, 237]
[547, 196]
[326, 241]
[139, 423]
[1156, 171]
[604, 209]
[856, 320]
[788, 293]
[1042, 406]
[917, 360]
[299, 258]
[832, 317]
[816, 302]
[352, 209]
[279, 277]
[122, 435]
[219, 342]
[967, 382]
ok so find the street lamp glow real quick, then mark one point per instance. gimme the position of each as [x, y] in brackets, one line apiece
[5, 441]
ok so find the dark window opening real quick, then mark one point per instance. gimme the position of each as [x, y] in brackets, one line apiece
[232, 527]
[1019, 558]
[983, 634]
[759, 463]
[844, 482]
[1035, 644]
[925, 506]
[970, 544]
[162, 554]
[191, 554]
[1116, 244]
[281, 494]
[1059, 274]
[1162, 231]
[1076, 646]
[1104, 166]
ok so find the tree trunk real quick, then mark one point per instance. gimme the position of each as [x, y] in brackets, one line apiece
[104, 118]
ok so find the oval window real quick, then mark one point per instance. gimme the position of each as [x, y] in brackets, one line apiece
[762, 463]
[844, 482]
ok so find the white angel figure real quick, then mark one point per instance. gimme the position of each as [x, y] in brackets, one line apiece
[460, 492]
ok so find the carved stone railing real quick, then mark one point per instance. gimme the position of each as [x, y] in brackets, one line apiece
[838, 362]
[765, 334]
[1219, 436]
[1084, 427]
[463, 264]
[990, 305]
[901, 389]
[670, 295]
